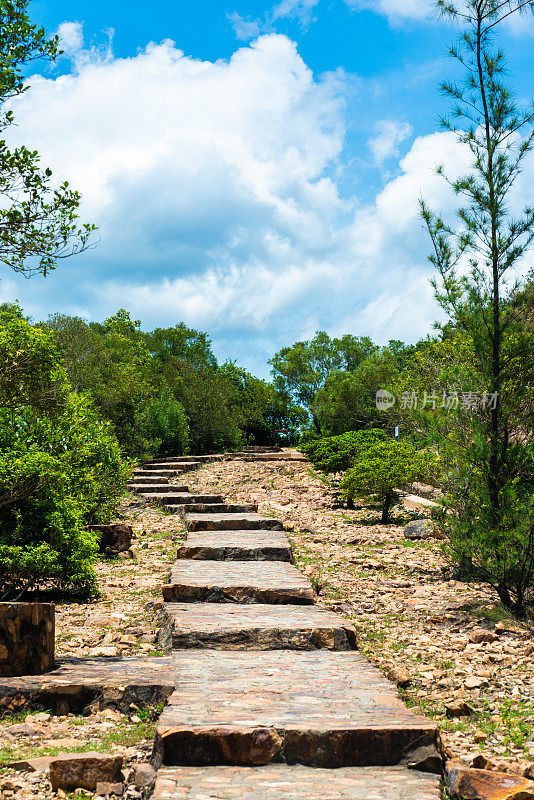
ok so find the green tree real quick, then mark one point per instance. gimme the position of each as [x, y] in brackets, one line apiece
[60, 468]
[380, 469]
[268, 417]
[489, 239]
[302, 369]
[347, 401]
[38, 221]
[31, 373]
[112, 363]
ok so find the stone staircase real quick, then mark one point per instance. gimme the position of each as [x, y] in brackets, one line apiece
[272, 701]
[265, 694]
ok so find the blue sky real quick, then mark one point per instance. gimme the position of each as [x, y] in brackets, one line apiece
[254, 169]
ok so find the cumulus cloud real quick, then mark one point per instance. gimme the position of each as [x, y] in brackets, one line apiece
[212, 185]
[388, 134]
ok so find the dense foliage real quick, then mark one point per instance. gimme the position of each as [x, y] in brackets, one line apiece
[60, 466]
[301, 370]
[165, 393]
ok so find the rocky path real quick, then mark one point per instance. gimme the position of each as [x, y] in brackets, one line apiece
[272, 699]
[460, 660]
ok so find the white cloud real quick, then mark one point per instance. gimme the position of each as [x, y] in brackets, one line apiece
[297, 9]
[388, 134]
[396, 10]
[71, 37]
[212, 186]
[519, 24]
[245, 28]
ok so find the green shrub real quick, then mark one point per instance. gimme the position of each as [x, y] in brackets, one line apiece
[337, 453]
[380, 469]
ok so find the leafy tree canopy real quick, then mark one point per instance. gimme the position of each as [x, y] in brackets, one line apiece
[38, 219]
[302, 369]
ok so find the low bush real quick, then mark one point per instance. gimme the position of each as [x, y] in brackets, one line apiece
[333, 454]
[380, 469]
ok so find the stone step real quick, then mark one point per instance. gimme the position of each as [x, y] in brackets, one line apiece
[174, 460]
[156, 488]
[257, 626]
[75, 683]
[159, 473]
[236, 546]
[237, 582]
[181, 466]
[176, 470]
[295, 782]
[320, 708]
[178, 497]
[244, 455]
[218, 508]
[148, 479]
[222, 522]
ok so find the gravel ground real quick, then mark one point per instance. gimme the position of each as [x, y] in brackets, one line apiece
[450, 646]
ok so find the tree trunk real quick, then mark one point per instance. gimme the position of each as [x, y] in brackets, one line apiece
[495, 460]
[316, 423]
[350, 503]
[385, 509]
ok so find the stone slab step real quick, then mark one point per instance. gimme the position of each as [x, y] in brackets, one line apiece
[179, 497]
[222, 522]
[236, 546]
[285, 455]
[75, 683]
[167, 474]
[220, 508]
[237, 582]
[148, 479]
[178, 465]
[175, 460]
[320, 708]
[273, 457]
[156, 488]
[165, 470]
[228, 626]
[284, 782]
